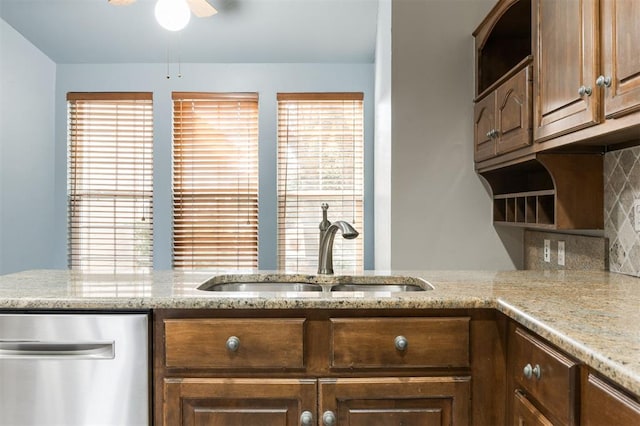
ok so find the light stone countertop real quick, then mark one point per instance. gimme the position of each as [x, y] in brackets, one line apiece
[594, 316]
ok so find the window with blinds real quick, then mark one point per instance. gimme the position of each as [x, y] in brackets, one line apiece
[320, 160]
[215, 180]
[110, 181]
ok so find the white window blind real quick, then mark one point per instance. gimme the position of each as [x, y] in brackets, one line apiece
[320, 160]
[110, 181]
[215, 180]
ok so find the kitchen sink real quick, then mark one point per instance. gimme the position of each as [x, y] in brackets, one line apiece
[260, 286]
[327, 284]
[390, 288]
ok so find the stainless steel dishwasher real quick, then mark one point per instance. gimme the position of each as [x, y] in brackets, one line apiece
[74, 369]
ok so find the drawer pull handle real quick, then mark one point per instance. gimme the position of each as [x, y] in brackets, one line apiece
[401, 343]
[603, 81]
[328, 418]
[233, 343]
[530, 371]
[585, 90]
[306, 418]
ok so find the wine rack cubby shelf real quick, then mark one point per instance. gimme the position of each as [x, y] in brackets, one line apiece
[549, 191]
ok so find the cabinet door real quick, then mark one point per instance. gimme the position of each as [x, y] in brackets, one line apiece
[566, 58]
[525, 414]
[603, 405]
[408, 401]
[621, 61]
[513, 112]
[241, 402]
[484, 122]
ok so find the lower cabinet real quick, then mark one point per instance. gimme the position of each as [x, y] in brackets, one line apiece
[408, 401]
[543, 382]
[603, 404]
[312, 369]
[232, 401]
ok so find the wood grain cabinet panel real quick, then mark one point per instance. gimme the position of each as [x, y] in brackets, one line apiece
[409, 401]
[604, 405]
[227, 402]
[261, 343]
[620, 56]
[371, 342]
[545, 375]
[513, 112]
[525, 414]
[566, 59]
[484, 122]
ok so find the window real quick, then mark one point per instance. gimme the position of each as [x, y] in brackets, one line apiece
[320, 160]
[110, 181]
[215, 180]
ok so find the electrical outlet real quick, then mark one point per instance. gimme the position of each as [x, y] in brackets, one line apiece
[561, 253]
[547, 251]
[636, 214]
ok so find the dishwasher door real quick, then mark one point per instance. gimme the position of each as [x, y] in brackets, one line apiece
[74, 369]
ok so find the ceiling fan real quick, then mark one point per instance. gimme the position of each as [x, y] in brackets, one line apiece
[174, 14]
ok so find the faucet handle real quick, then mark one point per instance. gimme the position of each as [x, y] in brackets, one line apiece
[325, 222]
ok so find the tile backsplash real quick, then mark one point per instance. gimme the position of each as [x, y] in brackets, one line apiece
[621, 188]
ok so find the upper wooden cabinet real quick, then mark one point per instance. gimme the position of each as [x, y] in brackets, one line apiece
[586, 72]
[565, 66]
[620, 78]
[503, 103]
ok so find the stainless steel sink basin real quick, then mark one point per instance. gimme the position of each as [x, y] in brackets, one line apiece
[261, 286]
[274, 283]
[391, 288]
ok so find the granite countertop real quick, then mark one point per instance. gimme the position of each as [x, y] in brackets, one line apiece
[594, 316]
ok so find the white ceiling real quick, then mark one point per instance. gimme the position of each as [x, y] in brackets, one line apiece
[94, 31]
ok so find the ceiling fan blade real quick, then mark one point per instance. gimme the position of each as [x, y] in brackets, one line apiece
[201, 8]
[121, 2]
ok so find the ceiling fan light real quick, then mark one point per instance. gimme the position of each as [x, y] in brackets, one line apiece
[172, 15]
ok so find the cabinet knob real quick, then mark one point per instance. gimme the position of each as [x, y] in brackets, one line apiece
[328, 418]
[537, 372]
[306, 418]
[530, 371]
[603, 81]
[494, 133]
[489, 134]
[233, 343]
[585, 90]
[401, 343]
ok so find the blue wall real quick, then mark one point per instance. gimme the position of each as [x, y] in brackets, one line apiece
[266, 79]
[27, 87]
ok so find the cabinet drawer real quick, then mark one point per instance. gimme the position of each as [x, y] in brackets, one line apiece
[261, 343]
[399, 342]
[545, 374]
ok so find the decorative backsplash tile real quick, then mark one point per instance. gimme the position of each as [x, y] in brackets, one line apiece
[621, 188]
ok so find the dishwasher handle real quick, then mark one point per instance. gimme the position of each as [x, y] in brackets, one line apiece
[25, 349]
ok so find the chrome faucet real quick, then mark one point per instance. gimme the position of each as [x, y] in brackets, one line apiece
[327, 234]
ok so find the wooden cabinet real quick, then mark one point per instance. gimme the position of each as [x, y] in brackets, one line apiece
[525, 413]
[503, 118]
[565, 66]
[620, 77]
[408, 401]
[586, 72]
[372, 370]
[603, 404]
[237, 401]
[543, 381]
